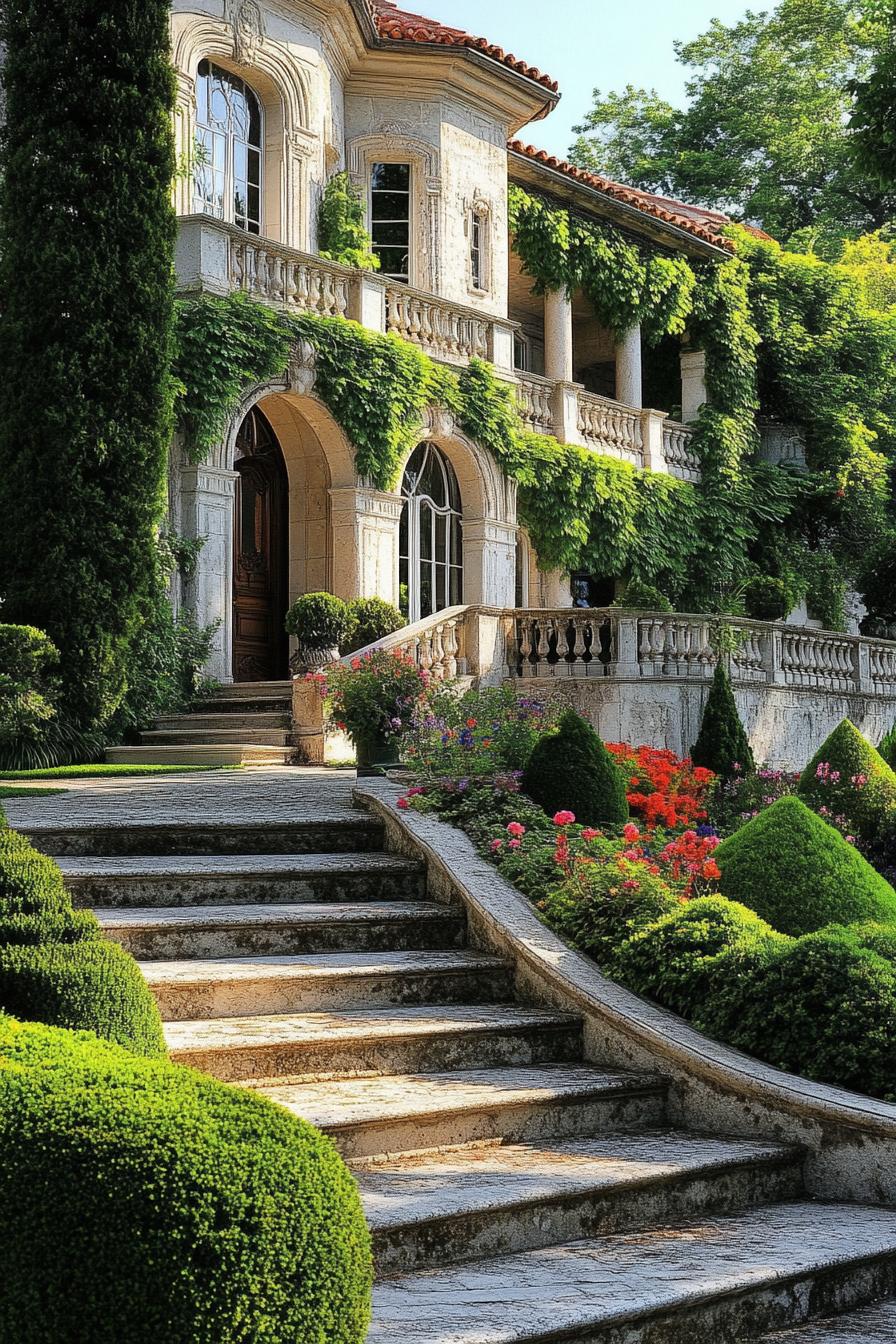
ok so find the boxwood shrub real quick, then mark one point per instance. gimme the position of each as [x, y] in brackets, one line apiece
[95, 987]
[608, 901]
[829, 781]
[799, 874]
[571, 770]
[145, 1202]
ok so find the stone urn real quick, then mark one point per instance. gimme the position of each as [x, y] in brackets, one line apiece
[306, 659]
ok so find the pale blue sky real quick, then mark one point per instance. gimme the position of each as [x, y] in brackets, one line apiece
[588, 44]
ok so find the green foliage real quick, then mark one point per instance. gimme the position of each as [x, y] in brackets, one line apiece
[877, 580]
[571, 770]
[822, 1006]
[612, 901]
[319, 621]
[767, 598]
[372, 620]
[487, 735]
[764, 133]
[848, 777]
[722, 744]
[887, 748]
[681, 958]
[26, 654]
[874, 114]
[31, 732]
[639, 596]
[341, 233]
[198, 1211]
[94, 987]
[85, 329]
[798, 873]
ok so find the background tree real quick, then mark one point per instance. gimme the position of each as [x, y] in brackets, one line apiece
[765, 135]
[874, 116]
[86, 248]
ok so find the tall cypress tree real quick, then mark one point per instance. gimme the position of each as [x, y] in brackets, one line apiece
[86, 249]
[723, 745]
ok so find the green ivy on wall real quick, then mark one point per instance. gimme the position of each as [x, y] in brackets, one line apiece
[341, 231]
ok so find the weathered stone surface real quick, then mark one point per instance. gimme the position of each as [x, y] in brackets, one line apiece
[875, 1325]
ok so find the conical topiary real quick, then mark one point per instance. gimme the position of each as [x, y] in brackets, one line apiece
[722, 745]
[799, 874]
[571, 770]
[887, 747]
[847, 777]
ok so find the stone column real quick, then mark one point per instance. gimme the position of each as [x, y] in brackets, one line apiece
[207, 503]
[556, 590]
[489, 563]
[629, 382]
[693, 384]
[365, 542]
[558, 353]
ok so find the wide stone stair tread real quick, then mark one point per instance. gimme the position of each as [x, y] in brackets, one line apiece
[872, 1325]
[237, 735]
[407, 1190]
[712, 1279]
[191, 753]
[210, 866]
[242, 986]
[236, 916]
[336, 833]
[246, 718]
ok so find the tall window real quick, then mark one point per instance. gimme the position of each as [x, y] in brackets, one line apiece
[390, 218]
[431, 537]
[227, 178]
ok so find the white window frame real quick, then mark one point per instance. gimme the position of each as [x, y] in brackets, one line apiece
[230, 139]
[396, 161]
[414, 504]
[479, 234]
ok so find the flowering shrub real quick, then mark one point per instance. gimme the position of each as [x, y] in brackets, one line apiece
[479, 734]
[662, 789]
[375, 697]
[737, 799]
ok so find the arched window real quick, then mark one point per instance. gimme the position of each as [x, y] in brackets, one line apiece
[431, 540]
[227, 177]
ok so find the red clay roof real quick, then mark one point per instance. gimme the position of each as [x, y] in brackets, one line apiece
[704, 224]
[399, 25]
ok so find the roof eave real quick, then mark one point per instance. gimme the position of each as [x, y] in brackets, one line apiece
[628, 216]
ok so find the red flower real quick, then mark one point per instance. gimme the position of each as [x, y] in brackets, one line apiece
[516, 828]
[564, 818]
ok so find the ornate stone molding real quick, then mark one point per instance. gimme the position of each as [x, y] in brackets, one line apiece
[247, 21]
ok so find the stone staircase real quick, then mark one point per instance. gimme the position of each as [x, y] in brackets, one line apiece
[515, 1191]
[246, 723]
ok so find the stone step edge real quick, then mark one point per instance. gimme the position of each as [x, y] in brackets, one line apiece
[335, 864]
[400, 912]
[462, 964]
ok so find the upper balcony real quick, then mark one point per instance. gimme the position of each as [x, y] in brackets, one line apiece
[549, 332]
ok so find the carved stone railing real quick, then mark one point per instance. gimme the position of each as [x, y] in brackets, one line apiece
[284, 278]
[437, 644]
[535, 397]
[782, 445]
[678, 450]
[612, 642]
[442, 329]
[611, 427]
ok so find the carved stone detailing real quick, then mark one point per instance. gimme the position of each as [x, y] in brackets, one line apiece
[678, 449]
[536, 402]
[301, 370]
[247, 21]
[611, 427]
[282, 277]
[444, 331]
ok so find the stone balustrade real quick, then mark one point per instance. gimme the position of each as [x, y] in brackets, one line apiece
[612, 642]
[278, 276]
[535, 397]
[437, 644]
[611, 428]
[782, 445]
[442, 329]
[678, 450]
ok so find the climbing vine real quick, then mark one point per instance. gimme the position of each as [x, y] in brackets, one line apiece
[341, 231]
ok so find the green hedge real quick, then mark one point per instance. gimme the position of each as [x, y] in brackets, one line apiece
[27, 655]
[722, 744]
[849, 755]
[95, 987]
[799, 874]
[144, 1202]
[571, 770]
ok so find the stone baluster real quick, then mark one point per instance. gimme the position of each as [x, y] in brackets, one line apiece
[237, 265]
[425, 657]
[451, 649]
[438, 654]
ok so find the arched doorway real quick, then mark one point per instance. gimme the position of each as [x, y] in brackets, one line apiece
[431, 535]
[260, 554]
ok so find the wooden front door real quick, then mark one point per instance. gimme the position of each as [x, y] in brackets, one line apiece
[260, 554]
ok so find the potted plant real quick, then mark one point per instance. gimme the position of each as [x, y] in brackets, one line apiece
[374, 699]
[320, 622]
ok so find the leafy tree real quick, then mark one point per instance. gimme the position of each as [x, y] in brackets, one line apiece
[765, 135]
[722, 744]
[86, 249]
[874, 115]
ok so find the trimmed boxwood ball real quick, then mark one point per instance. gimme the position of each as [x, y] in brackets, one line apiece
[798, 873]
[49, 926]
[372, 619]
[30, 882]
[681, 959]
[93, 986]
[822, 1006]
[571, 770]
[849, 755]
[145, 1202]
[722, 744]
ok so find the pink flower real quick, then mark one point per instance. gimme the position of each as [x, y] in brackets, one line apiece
[404, 804]
[564, 818]
[631, 832]
[496, 845]
[515, 844]
[631, 884]
[850, 839]
[590, 833]
[516, 828]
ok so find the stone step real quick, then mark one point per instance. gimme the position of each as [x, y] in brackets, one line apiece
[368, 1117]
[872, 1325]
[496, 1200]
[339, 834]
[384, 1041]
[240, 689]
[213, 737]
[714, 1281]
[170, 934]
[234, 722]
[332, 982]
[223, 753]
[235, 879]
[245, 704]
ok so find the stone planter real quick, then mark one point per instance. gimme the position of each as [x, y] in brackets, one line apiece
[312, 660]
[374, 753]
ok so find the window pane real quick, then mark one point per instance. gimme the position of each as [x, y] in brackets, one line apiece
[394, 261]
[390, 177]
[391, 235]
[390, 205]
[228, 170]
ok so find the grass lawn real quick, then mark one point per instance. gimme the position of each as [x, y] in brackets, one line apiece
[29, 793]
[111, 771]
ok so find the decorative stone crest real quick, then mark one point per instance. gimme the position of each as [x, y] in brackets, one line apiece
[245, 17]
[301, 371]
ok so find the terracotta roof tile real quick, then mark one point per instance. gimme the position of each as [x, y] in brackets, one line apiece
[400, 25]
[704, 224]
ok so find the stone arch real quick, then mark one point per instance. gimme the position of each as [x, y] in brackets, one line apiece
[394, 145]
[240, 45]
